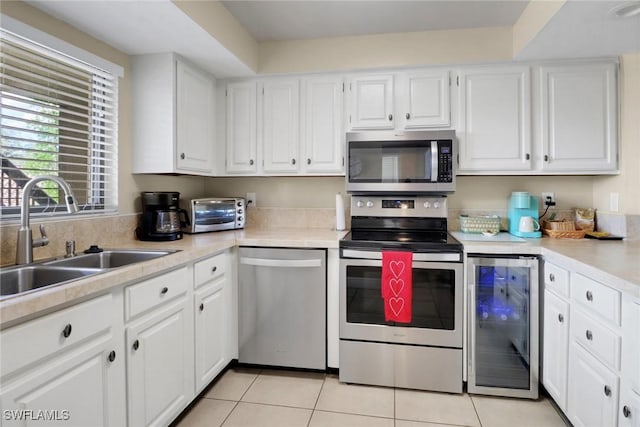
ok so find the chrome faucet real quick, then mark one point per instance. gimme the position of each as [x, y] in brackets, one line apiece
[26, 243]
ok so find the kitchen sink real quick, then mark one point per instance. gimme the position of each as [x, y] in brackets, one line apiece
[110, 258]
[21, 279]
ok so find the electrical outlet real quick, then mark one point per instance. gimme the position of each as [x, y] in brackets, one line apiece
[251, 200]
[548, 199]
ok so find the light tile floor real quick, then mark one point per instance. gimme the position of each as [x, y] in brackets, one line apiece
[250, 397]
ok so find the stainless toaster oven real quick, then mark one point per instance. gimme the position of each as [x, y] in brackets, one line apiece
[215, 214]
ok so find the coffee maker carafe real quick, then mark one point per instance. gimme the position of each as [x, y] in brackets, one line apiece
[161, 216]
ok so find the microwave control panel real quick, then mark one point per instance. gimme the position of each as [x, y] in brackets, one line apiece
[445, 161]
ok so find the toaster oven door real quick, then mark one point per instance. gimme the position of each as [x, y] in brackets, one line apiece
[213, 215]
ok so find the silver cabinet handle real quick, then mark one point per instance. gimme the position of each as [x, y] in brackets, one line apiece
[291, 263]
[293, 161]
[527, 156]
[408, 116]
[308, 161]
[626, 411]
[546, 158]
[66, 332]
[182, 156]
[251, 162]
[607, 391]
[589, 335]
[589, 296]
[390, 117]
[213, 270]
[552, 278]
[560, 318]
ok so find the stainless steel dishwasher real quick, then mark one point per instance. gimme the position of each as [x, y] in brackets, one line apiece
[282, 307]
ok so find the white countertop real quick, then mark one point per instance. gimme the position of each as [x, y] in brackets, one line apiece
[614, 262]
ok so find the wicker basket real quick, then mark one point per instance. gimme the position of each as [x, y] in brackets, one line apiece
[564, 234]
[559, 225]
[479, 224]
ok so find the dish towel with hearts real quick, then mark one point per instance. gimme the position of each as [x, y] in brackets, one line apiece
[397, 286]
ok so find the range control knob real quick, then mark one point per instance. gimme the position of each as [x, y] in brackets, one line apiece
[436, 205]
[427, 205]
[360, 203]
[369, 204]
[240, 203]
[239, 211]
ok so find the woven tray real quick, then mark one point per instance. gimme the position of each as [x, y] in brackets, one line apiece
[479, 224]
[564, 234]
[559, 225]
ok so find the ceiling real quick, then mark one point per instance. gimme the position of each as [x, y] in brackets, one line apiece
[291, 20]
[581, 28]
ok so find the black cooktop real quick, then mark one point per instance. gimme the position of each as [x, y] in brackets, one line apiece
[412, 240]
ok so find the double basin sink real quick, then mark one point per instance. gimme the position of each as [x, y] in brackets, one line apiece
[26, 278]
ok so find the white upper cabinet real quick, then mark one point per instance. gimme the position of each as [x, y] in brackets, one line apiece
[281, 125]
[322, 125]
[424, 99]
[195, 119]
[173, 116]
[578, 117]
[241, 128]
[494, 129]
[371, 102]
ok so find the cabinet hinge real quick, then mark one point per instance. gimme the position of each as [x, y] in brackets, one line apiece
[342, 87]
[350, 89]
[263, 91]
[457, 80]
[458, 159]
[226, 92]
[349, 118]
[449, 80]
[343, 161]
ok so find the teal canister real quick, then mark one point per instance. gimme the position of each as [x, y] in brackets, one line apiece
[520, 199]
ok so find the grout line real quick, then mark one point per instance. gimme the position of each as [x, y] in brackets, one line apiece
[475, 409]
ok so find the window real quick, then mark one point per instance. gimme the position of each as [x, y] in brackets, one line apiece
[58, 116]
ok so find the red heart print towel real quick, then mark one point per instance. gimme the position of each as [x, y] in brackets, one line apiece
[396, 286]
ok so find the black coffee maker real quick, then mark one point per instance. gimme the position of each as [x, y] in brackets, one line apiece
[161, 216]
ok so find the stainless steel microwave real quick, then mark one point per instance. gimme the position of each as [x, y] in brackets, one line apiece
[215, 214]
[410, 162]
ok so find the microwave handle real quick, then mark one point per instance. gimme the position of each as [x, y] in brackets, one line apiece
[434, 161]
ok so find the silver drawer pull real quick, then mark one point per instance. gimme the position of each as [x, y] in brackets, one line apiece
[560, 318]
[552, 278]
[66, 332]
[589, 335]
[607, 391]
[213, 270]
[589, 296]
[626, 411]
[164, 290]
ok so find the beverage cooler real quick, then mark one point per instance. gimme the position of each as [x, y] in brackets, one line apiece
[503, 326]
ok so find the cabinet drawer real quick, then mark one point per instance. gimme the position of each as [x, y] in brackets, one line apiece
[596, 338]
[33, 341]
[597, 297]
[556, 279]
[210, 268]
[151, 293]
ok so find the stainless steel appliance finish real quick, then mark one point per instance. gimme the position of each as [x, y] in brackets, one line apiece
[503, 316]
[427, 352]
[215, 214]
[282, 307]
[401, 162]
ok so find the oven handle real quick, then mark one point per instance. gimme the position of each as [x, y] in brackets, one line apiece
[435, 256]
[289, 263]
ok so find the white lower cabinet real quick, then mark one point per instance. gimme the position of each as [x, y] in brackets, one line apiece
[210, 333]
[66, 368]
[593, 390]
[555, 350]
[160, 365]
[629, 413]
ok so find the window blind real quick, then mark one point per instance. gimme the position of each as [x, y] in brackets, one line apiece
[58, 116]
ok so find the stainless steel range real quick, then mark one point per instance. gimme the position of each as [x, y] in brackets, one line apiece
[426, 351]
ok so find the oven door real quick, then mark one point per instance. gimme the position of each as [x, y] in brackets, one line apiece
[437, 303]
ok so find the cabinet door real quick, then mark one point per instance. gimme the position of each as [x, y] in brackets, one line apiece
[631, 344]
[81, 388]
[593, 390]
[371, 102]
[194, 119]
[495, 125]
[241, 128]
[629, 413]
[426, 99]
[210, 332]
[160, 366]
[281, 125]
[323, 125]
[555, 352]
[578, 117]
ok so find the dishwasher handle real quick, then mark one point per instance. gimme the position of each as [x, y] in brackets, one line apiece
[288, 263]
